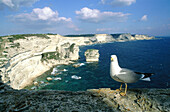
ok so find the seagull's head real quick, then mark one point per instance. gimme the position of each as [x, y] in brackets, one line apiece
[113, 58]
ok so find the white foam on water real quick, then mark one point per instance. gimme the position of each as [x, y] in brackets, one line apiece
[33, 88]
[57, 78]
[65, 70]
[54, 71]
[75, 77]
[41, 82]
[81, 64]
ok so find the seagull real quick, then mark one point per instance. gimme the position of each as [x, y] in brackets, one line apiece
[124, 75]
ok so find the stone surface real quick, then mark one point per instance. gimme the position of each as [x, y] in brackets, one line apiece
[92, 55]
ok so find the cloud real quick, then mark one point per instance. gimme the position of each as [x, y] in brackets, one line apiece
[43, 19]
[15, 4]
[118, 3]
[144, 18]
[46, 14]
[95, 16]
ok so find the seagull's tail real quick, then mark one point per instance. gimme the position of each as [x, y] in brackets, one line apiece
[145, 76]
[146, 79]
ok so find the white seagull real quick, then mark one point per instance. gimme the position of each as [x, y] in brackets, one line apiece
[124, 75]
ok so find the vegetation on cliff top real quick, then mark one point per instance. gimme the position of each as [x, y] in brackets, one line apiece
[2, 43]
[50, 55]
[22, 36]
[11, 38]
[90, 50]
[80, 35]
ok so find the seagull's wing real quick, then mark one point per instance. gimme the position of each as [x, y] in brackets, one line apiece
[128, 76]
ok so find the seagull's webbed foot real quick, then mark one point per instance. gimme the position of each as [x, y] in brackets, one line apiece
[118, 90]
[123, 94]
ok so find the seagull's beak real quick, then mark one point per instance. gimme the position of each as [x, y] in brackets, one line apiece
[112, 59]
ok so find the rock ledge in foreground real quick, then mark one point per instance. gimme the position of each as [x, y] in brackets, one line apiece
[136, 100]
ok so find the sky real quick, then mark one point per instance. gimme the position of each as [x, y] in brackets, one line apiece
[150, 17]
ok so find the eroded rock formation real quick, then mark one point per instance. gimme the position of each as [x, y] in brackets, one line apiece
[92, 55]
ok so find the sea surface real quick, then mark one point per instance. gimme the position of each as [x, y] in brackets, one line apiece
[150, 56]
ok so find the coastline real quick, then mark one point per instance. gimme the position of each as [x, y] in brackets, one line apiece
[28, 62]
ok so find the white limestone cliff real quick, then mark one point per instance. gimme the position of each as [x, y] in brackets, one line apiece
[34, 57]
[102, 38]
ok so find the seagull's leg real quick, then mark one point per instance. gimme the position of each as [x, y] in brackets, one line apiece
[123, 94]
[120, 87]
[125, 88]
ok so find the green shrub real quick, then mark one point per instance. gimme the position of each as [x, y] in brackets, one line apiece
[50, 55]
[1, 40]
[5, 52]
[51, 34]
[15, 45]
[5, 55]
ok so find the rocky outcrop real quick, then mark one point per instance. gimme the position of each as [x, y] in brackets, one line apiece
[92, 55]
[136, 100]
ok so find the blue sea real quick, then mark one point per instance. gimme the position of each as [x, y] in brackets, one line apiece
[150, 56]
